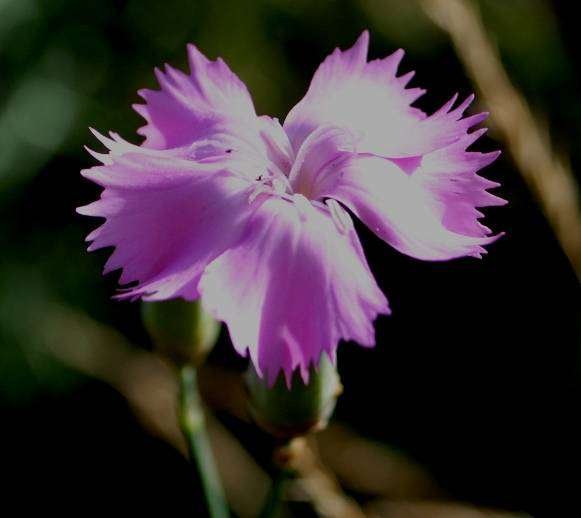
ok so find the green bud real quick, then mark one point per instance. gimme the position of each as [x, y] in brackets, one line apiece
[180, 330]
[289, 412]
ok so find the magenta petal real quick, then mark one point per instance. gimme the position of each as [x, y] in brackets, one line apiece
[166, 219]
[277, 146]
[365, 98]
[293, 287]
[418, 136]
[449, 174]
[369, 100]
[210, 100]
[403, 211]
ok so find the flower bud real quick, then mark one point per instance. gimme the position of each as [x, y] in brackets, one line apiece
[181, 330]
[287, 412]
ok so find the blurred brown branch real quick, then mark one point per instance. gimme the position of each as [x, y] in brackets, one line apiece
[389, 509]
[547, 175]
[373, 468]
[319, 483]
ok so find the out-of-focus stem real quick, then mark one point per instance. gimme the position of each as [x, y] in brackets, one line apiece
[296, 459]
[547, 176]
[193, 427]
[284, 459]
[274, 500]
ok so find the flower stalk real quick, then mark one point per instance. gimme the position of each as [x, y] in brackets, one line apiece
[192, 422]
[184, 333]
[275, 498]
[284, 460]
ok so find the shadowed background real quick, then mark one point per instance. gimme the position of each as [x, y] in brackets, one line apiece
[475, 377]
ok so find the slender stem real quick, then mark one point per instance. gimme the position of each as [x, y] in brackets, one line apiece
[273, 503]
[193, 427]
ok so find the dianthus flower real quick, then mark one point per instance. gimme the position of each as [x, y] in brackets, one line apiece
[250, 215]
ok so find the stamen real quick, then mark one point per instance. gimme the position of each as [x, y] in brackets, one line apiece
[279, 186]
[272, 182]
[303, 205]
[280, 181]
[339, 215]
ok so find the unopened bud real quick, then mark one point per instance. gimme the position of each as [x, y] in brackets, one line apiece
[289, 412]
[180, 330]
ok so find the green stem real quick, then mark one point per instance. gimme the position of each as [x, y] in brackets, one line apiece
[274, 500]
[193, 427]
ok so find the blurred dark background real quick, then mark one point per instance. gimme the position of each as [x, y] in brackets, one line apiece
[475, 376]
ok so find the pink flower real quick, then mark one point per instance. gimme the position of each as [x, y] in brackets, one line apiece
[251, 216]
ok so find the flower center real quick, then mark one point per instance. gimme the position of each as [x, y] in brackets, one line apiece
[274, 182]
[310, 169]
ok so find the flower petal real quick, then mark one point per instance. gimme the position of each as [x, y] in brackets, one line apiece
[449, 174]
[219, 151]
[319, 159]
[407, 211]
[211, 100]
[167, 219]
[278, 149]
[369, 100]
[293, 287]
